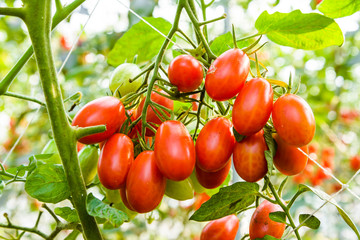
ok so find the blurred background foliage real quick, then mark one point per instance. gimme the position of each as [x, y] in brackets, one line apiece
[330, 82]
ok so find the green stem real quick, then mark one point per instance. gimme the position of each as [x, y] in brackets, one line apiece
[15, 95]
[211, 21]
[83, 132]
[58, 17]
[286, 209]
[58, 5]
[293, 199]
[203, 10]
[38, 21]
[26, 229]
[11, 11]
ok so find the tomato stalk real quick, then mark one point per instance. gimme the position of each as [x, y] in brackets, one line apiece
[38, 21]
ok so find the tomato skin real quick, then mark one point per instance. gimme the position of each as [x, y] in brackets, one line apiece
[88, 158]
[124, 198]
[261, 224]
[186, 73]
[252, 107]
[145, 185]
[288, 159]
[151, 116]
[214, 144]
[293, 120]
[249, 158]
[107, 111]
[115, 160]
[221, 229]
[174, 150]
[179, 190]
[212, 179]
[355, 162]
[227, 74]
[200, 199]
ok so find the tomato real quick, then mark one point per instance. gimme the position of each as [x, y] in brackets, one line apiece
[179, 190]
[151, 116]
[65, 43]
[145, 185]
[115, 160]
[174, 150]
[227, 75]
[355, 163]
[79, 146]
[261, 224]
[252, 107]
[185, 72]
[195, 105]
[214, 144]
[199, 200]
[212, 179]
[133, 133]
[108, 111]
[288, 159]
[124, 198]
[322, 174]
[51, 148]
[249, 157]
[293, 120]
[88, 158]
[327, 157]
[195, 183]
[124, 206]
[113, 196]
[119, 81]
[221, 229]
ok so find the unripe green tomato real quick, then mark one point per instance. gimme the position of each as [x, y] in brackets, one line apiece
[121, 206]
[88, 158]
[112, 196]
[179, 190]
[50, 148]
[119, 81]
[195, 183]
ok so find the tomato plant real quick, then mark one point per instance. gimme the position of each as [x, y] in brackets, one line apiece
[145, 184]
[293, 120]
[214, 144]
[108, 111]
[120, 79]
[227, 75]
[115, 160]
[221, 229]
[249, 158]
[185, 72]
[174, 150]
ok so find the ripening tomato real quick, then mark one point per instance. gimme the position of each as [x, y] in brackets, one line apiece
[355, 163]
[214, 144]
[288, 159]
[293, 120]
[119, 80]
[212, 179]
[179, 190]
[108, 111]
[221, 229]
[145, 185]
[174, 150]
[227, 75]
[151, 116]
[261, 224]
[115, 160]
[186, 73]
[252, 107]
[249, 157]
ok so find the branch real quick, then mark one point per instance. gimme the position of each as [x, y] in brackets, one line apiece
[15, 12]
[20, 96]
[86, 131]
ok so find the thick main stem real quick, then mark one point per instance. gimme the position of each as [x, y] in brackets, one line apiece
[38, 21]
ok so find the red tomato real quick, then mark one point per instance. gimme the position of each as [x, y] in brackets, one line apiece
[151, 116]
[200, 199]
[322, 174]
[355, 163]
[115, 160]
[293, 120]
[227, 75]
[327, 157]
[288, 159]
[79, 146]
[107, 111]
[174, 150]
[195, 105]
[261, 224]
[136, 129]
[252, 107]
[212, 179]
[215, 144]
[124, 198]
[249, 158]
[221, 229]
[145, 185]
[186, 73]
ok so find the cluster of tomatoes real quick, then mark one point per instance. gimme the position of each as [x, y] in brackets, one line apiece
[142, 182]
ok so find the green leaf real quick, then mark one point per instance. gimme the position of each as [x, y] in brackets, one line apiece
[324, 196]
[238, 136]
[298, 30]
[229, 200]
[311, 221]
[225, 42]
[97, 208]
[67, 213]
[338, 9]
[48, 183]
[140, 40]
[278, 217]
